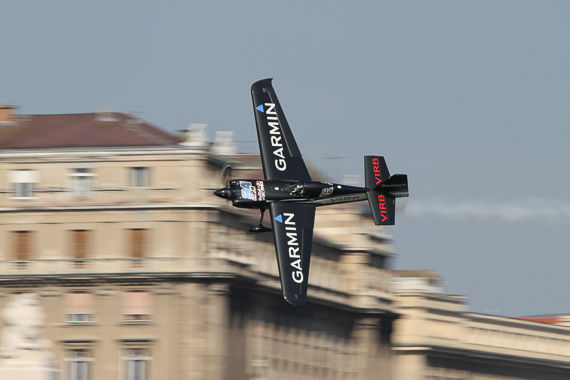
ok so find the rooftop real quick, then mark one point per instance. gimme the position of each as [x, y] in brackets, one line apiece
[103, 129]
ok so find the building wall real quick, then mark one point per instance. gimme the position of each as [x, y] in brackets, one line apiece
[436, 338]
[215, 309]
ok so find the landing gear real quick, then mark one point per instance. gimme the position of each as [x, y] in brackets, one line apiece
[260, 227]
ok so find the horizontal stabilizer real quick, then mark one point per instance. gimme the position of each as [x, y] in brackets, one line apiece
[383, 189]
[383, 207]
[375, 171]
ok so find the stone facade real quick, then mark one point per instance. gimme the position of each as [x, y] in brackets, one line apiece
[141, 273]
[435, 337]
[144, 274]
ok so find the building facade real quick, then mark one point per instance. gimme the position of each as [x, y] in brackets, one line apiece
[436, 338]
[108, 227]
[117, 262]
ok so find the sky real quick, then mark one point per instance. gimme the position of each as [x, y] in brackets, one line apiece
[469, 98]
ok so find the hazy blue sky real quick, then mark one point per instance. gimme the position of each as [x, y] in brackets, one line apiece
[469, 98]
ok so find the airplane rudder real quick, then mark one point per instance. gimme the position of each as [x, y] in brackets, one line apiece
[396, 185]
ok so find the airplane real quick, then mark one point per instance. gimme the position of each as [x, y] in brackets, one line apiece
[292, 196]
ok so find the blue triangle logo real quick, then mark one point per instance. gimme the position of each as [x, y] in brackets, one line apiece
[260, 108]
[279, 218]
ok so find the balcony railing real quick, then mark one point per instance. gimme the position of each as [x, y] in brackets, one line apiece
[491, 335]
[116, 266]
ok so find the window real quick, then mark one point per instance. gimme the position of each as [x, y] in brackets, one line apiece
[139, 177]
[23, 181]
[79, 307]
[138, 245]
[23, 189]
[137, 306]
[80, 239]
[79, 362]
[136, 364]
[81, 182]
[22, 248]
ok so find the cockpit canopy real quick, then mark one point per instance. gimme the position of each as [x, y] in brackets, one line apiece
[312, 189]
[296, 190]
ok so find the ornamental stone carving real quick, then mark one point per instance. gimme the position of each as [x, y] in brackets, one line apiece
[24, 352]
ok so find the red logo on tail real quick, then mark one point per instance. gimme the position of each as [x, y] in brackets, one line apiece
[376, 168]
[382, 206]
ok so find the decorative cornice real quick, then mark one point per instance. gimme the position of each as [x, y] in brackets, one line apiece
[470, 354]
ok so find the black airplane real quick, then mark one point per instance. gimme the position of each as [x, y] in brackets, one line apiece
[291, 196]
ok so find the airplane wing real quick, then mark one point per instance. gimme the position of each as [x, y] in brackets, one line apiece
[280, 155]
[293, 234]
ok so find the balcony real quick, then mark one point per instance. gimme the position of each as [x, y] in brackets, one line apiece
[118, 266]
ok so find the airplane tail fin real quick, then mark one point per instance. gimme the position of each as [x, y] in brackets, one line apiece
[383, 189]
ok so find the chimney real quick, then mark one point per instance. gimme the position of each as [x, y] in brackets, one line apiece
[195, 136]
[105, 114]
[224, 144]
[8, 114]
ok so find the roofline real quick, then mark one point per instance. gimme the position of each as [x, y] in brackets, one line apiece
[100, 149]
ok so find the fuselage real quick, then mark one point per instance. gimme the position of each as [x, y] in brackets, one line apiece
[253, 193]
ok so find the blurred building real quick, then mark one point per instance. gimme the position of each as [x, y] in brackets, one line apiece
[116, 261]
[436, 338]
[109, 226]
